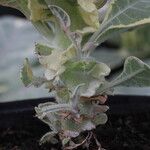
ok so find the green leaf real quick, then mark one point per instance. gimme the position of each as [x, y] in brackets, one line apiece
[43, 49]
[54, 63]
[61, 15]
[70, 125]
[122, 16]
[135, 74]
[65, 141]
[89, 109]
[89, 13]
[76, 72]
[28, 78]
[100, 70]
[100, 119]
[51, 119]
[49, 137]
[72, 128]
[12, 3]
[26, 73]
[44, 27]
[46, 108]
[69, 54]
[71, 8]
[80, 15]
[63, 94]
[38, 10]
[100, 3]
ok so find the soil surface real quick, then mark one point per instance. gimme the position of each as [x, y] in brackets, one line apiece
[122, 132]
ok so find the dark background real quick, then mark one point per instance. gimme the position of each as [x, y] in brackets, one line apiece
[10, 11]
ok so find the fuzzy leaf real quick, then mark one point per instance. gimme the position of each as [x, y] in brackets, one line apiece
[39, 10]
[51, 119]
[61, 15]
[65, 141]
[135, 74]
[49, 137]
[78, 13]
[26, 73]
[89, 109]
[89, 13]
[50, 108]
[54, 63]
[75, 98]
[100, 70]
[87, 125]
[68, 54]
[63, 94]
[100, 119]
[75, 73]
[12, 3]
[122, 16]
[71, 8]
[43, 49]
[28, 78]
[70, 125]
[72, 128]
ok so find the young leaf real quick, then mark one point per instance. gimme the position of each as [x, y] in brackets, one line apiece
[43, 49]
[100, 119]
[26, 73]
[61, 15]
[73, 128]
[76, 72]
[89, 13]
[49, 137]
[74, 9]
[54, 63]
[75, 98]
[68, 54]
[65, 141]
[38, 10]
[28, 78]
[51, 119]
[122, 16]
[100, 70]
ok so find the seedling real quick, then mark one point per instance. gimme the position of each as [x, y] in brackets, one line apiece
[74, 28]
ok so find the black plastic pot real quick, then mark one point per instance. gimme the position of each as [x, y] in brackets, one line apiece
[127, 128]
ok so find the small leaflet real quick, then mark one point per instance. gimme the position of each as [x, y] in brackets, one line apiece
[61, 15]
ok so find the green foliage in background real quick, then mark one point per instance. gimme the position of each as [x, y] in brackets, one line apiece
[137, 42]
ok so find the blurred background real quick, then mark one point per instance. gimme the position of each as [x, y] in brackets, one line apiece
[17, 39]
